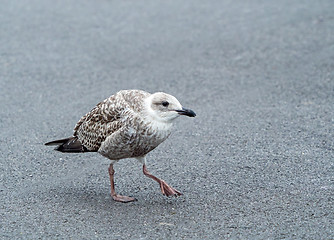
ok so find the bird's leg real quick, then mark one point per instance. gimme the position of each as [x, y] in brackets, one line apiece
[165, 188]
[115, 196]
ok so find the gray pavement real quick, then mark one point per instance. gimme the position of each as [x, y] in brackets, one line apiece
[256, 162]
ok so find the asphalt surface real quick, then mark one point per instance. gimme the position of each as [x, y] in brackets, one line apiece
[256, 162]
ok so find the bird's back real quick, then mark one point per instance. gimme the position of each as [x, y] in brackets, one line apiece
[107, 117]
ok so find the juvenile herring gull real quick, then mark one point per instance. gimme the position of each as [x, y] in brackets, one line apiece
[129, 124]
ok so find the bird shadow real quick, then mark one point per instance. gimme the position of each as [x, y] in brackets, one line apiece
[100, 200]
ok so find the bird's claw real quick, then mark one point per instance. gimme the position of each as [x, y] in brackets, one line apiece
[123, 199]
[168, 190]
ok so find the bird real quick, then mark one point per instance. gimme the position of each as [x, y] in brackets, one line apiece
[128, 124]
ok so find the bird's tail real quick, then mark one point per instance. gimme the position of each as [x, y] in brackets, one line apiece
[71, 144]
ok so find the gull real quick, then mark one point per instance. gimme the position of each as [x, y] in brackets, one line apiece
[128, 124]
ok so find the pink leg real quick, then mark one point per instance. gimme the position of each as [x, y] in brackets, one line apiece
[115, 196]
[165, 188]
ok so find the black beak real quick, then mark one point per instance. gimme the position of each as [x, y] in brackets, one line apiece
[187, 112]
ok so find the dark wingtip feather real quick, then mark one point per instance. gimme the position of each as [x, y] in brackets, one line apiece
[57, 142]
[71, 144]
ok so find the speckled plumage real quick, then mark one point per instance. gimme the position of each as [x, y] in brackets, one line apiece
[130, 123]
[118, 127]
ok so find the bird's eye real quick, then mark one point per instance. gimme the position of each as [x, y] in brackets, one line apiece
[165, 103]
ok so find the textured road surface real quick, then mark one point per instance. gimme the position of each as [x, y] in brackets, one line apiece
[256, 162]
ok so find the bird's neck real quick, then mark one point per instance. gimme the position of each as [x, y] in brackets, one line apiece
[157, 123]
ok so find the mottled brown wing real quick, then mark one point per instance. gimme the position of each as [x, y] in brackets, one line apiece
[134, 99]
[93, 128]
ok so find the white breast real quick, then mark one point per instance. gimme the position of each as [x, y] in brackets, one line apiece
[161, 130]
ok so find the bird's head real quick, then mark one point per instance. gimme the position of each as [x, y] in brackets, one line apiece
[165, 107]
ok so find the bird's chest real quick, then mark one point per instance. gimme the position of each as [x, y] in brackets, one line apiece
[153, 134]
[150, 137]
